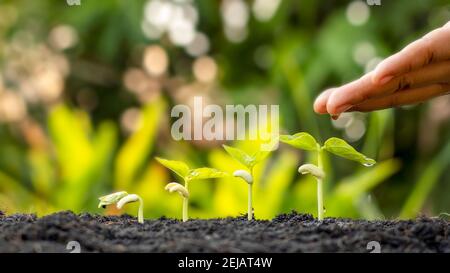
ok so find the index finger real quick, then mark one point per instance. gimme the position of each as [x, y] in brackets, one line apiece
[432, 47]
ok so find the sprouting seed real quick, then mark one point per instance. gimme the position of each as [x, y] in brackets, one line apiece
[120, 199]
[176, 187]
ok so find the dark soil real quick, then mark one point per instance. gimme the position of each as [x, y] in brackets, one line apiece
[286, 233]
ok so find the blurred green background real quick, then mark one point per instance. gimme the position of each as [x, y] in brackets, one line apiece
[86, 92]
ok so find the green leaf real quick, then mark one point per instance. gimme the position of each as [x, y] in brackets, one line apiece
[178, 167]
[302, 141]
[240, 156]
[341, 148]
[204, 173]
[260, 156]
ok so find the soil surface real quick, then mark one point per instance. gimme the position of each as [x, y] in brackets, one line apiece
[286, 233]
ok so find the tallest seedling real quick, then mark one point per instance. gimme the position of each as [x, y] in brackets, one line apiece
[333, 145]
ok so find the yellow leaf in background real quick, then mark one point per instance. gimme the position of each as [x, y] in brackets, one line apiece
[82, 156]
[42, 172]
[134, 153]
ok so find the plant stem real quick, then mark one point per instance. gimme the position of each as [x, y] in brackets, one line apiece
[320, 188]
[249, 207]
[185, 209]
[185, 204]
[141, 211]
[250, 197]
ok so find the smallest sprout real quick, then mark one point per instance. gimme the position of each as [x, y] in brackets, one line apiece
[111, 198]
[313, 170]
[120, 199]
[176, 187]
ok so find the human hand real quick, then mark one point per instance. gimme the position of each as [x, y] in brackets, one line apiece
[417, 73]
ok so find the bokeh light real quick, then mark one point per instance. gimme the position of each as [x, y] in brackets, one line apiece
[353, 125]
[372, 64]
[12, 107]
[199, 45]
[155, 60]
[363, 53]
[176, 18]
[358, 13]
[205, 69]
[264, 10]
[63, 37]
[355, 130]
[129, 120]
[235, 15]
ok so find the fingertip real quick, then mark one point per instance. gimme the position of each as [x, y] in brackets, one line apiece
[336, 106]
[331, 106]
[319, 108]
[320, 104]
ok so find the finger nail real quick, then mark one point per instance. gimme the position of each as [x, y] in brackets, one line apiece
[385, 79]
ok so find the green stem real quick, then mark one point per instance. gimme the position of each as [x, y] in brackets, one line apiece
[185, 209]
[141, 211]
[320, 188]
[249, 206]
[250, 197]
[185, 204]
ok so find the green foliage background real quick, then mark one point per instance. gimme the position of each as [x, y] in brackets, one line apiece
[65, 152]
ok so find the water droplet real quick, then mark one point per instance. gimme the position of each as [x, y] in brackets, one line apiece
[368, 164]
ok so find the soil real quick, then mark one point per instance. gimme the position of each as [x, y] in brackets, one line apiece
[291, 232]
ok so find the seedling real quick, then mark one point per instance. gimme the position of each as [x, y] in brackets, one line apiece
[120, 199]
[333, 145]
[188, 175]
[177, 187]
[249, 161]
